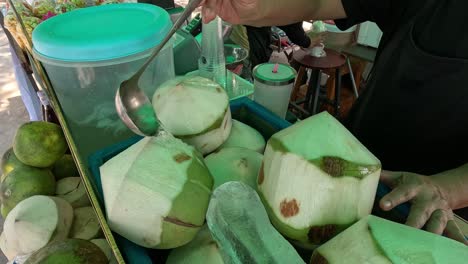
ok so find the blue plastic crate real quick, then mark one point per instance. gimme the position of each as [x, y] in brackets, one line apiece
[244, 110]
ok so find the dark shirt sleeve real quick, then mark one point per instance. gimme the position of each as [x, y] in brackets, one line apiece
[296, 34]
[384, 13]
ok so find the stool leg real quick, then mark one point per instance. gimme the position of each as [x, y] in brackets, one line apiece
[337, 92]
[297, 84]
[316, 92]
[351, 74]
[310, 90]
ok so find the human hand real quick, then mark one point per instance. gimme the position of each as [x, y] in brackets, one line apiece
[430, 206]
[239, 12]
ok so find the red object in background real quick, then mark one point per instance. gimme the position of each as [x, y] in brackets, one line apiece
[48, 15]
[238, 69]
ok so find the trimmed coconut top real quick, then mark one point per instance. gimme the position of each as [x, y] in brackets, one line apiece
[190, 105]
[322, 136]
[404, 244]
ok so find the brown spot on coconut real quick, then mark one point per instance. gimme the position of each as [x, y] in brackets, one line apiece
[317, 258]
[179, 158]
[261, 175]
[289, 209]
[321, 234]
[333, 166]
[179, 222]
[219, 90]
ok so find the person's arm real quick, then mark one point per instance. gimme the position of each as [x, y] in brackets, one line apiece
[271, 12]
[432, 198]
[297, 35]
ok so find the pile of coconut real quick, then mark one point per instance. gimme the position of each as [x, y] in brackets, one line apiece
[315, 179]
[45, 205]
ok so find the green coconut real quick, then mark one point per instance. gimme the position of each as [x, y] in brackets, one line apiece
[72, 190]
[70, 251]
[244, 136]
[10, 162]
[39, 144]
[201, 250]
[106, 249]
[65, 167]
[25, 182]
[317, 179]
[234, 164]
[85, 224]
[385, 242]
[35, 222]
[156, 192]
[196, 110]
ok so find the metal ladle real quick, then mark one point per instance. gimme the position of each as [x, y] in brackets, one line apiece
[133, 106]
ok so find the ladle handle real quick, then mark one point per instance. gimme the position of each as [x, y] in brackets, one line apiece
[187, 12]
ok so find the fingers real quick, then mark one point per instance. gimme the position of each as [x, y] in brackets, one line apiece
[419, 215]
[208, 11]
[390, 178]
[437, 222]
[453, 231]
[208, 14]
[397, 196]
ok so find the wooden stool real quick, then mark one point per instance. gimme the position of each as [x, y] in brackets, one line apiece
[332, 62]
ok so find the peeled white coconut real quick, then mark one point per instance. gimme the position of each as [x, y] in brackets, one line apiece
[379, 241]
[244, 136]
[73, 191]
[35, 222]
[234, 164]
[85, 224]
[317, 179]
[201, 250]
[104, 246]
[196, 110]
[156, 192]
[7, 247]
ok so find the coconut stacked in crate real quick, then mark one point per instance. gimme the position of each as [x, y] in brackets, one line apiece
[44, 204]
[311, 182]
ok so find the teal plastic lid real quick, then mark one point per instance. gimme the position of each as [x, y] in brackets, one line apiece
[101, 33]
[274, 74]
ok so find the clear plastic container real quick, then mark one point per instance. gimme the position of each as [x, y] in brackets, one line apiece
[86, 94]
[212, 63]
[87, 67]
